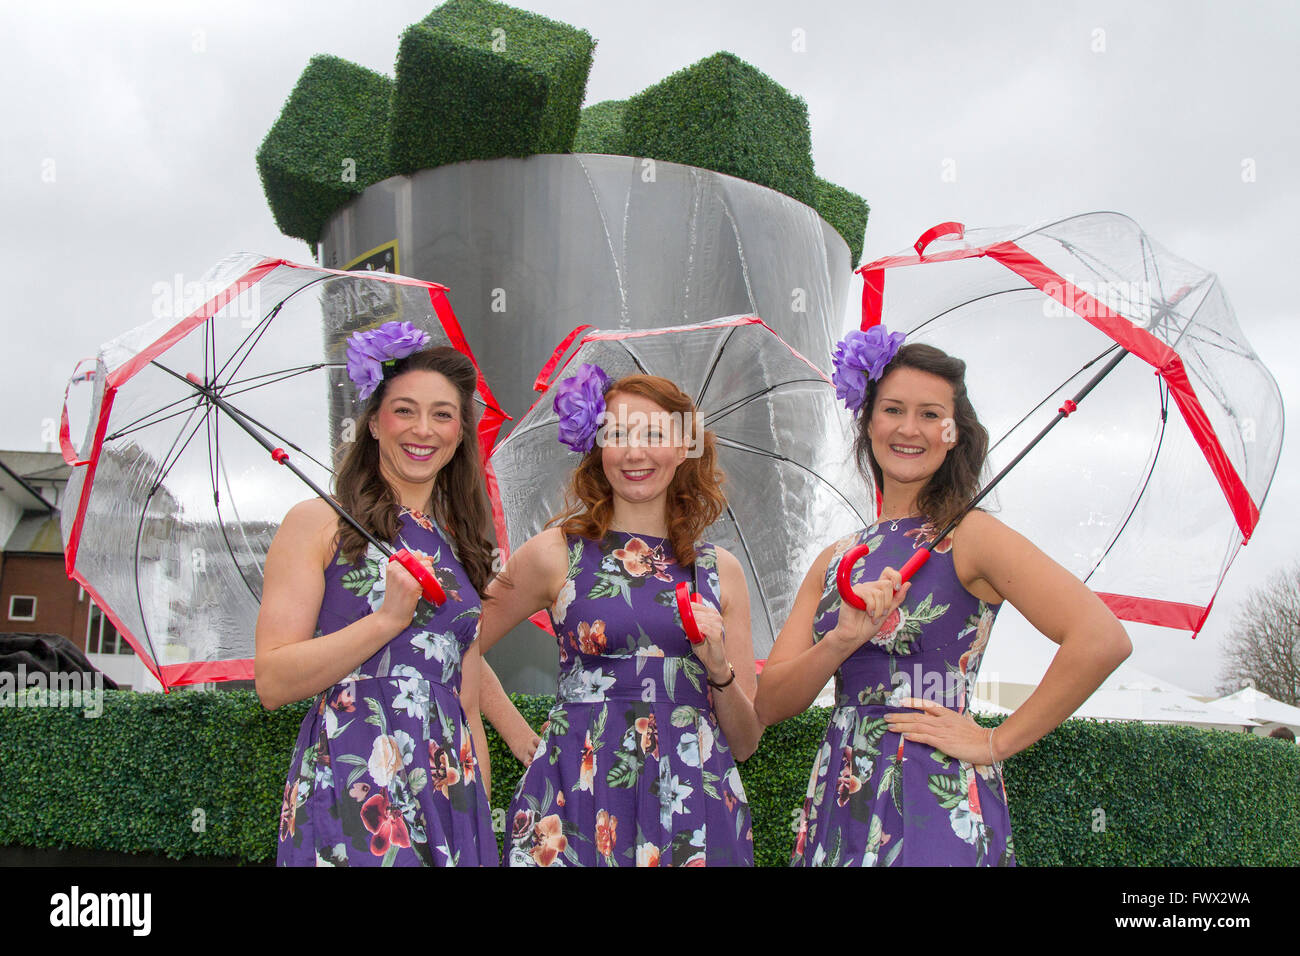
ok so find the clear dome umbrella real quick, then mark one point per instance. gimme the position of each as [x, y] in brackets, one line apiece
[171, 504]
[785, 448]
[1174, 427]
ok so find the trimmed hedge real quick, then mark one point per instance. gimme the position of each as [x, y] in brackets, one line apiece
[456, 98]
[725, 115]
[846, 212]
[133, 779]
[338, 111]
[600, 129]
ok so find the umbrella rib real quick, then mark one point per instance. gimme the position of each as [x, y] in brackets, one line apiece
[762, 592]
[1164, 418]
[146, 421]
[728, 409]
[1086, 365]
[755, 450]
[255, 336]
[978, 298]
[713, 365]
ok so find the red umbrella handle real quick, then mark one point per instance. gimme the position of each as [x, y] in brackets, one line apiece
[684, 599]
[433, 592]
[844, 572]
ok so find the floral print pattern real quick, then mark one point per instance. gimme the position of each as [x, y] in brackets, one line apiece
[873, 798]
[632, 768]
[383, 772]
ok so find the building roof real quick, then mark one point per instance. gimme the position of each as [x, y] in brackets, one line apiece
[37, 465]
[36, 532]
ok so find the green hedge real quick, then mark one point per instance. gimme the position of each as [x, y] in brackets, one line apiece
[132, 779]
[337, 112]
[457, 98]
[725, 115]
[847, 214]
[600, 129]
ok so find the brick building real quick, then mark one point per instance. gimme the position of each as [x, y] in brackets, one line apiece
[36, 594]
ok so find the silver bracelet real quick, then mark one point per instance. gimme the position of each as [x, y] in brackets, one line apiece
[992, 760]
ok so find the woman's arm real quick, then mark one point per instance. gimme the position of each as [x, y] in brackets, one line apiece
[530, 582]
[1092, 642]
[471, 665]
[729, 644]
[798, 668]
[289, 664]
[502, 714]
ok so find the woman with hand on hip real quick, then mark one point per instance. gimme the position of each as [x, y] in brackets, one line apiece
[635, 766]
[390, 766]
[904, 775]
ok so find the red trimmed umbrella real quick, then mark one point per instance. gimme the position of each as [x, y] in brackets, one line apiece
[174, 498]
[1152, 488]
[782, 442]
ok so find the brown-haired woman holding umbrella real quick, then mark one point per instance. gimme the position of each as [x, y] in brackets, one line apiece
[390, 765]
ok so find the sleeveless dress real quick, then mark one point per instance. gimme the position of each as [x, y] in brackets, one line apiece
[384, 771]
[873, 798]
[632, 768]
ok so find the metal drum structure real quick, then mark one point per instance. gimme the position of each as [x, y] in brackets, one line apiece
[532, 248]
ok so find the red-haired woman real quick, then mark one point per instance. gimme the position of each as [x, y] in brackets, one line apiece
[636, 763]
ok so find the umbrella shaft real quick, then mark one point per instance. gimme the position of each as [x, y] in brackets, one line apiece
[1079, 396]
[282, 457]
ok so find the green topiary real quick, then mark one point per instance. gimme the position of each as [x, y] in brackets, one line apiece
[478, 80]
[328, 145]
[725, 115]
[202, 774]
[846, 212]
[600, 130]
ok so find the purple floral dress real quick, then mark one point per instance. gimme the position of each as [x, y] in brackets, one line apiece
[384, 771]
[871, 800]
[633, 769]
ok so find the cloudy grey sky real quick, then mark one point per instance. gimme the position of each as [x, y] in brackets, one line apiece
[130, 130]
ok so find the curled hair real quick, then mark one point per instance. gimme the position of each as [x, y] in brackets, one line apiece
[955, 484]
[695, 498]
[460, 504]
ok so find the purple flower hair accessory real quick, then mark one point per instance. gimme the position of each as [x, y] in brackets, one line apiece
[580, 403]
[861, 357]
[369, 352]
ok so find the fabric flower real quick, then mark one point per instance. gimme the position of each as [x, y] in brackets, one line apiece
[548, 840]
[606, 832]
[580, 404]
[647, 854]
[591, 637]
[649, 735]
[288, 809]
[861, 357]
[563, 600]
[385, 759]
[442, 774]
[385, 823]
[369, 351]
[847, 784]
[639, 559]
[467, 758]
[587, 769]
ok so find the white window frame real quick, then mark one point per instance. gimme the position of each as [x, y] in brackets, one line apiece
[22, 597]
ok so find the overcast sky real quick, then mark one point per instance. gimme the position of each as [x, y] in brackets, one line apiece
[130, 130]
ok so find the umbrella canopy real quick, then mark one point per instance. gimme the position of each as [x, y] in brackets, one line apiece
[171, 508]
[785, 448]
[1150, 492]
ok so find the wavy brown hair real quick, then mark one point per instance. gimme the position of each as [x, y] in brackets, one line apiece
[695, 498]
[460, 503]
[957, 481]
